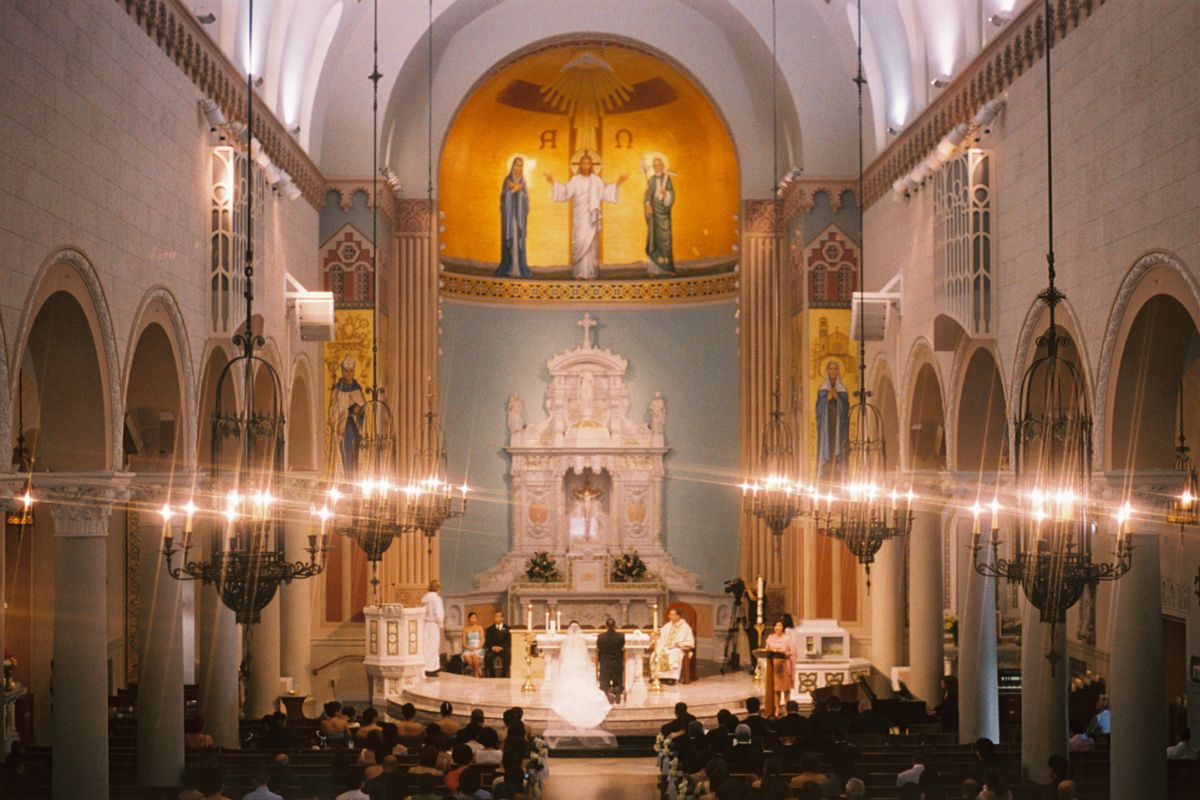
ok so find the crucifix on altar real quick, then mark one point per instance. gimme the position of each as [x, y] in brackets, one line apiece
[587, 323]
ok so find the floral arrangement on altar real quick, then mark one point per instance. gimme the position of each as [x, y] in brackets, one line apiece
[629, 567]
[951, 623]
[542, 567]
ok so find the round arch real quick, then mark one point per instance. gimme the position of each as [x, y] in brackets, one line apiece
[924, 415]
[69, 272]
[883, 394]
[159, 307]
[215, 359]
[302, 444]
[980, 430]
[466, 34]
[1156, 272]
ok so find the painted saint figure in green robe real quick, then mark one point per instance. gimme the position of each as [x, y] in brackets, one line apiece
[659, 199]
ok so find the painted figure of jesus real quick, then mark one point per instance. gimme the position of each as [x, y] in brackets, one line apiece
[586, 191]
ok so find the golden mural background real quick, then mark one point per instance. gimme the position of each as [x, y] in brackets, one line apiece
[651, 109]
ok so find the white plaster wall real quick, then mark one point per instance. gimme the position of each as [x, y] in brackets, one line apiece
[1127, 181]
[104, 151]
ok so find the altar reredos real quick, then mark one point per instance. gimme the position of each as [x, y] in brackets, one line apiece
[587, 477]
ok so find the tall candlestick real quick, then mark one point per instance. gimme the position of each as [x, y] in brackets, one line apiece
[529, 616]
[760, 600]
[654, 614]
[557, 620]
[547, 620]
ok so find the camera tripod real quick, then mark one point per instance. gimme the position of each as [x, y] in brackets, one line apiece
[732, 662]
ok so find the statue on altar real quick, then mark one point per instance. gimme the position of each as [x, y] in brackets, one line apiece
[675, 641]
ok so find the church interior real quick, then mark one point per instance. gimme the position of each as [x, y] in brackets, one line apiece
[830, 367]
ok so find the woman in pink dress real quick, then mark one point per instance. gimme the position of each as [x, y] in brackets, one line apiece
[784, 669]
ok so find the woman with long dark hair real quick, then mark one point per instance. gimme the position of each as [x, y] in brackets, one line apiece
[515, 750]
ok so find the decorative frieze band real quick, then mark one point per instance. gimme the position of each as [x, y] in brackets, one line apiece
[673, 290]
[177, 33]
[1017, 48]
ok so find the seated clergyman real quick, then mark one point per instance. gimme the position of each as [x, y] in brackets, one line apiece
[675, 640]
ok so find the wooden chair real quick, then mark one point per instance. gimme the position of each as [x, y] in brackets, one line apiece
[688, 672]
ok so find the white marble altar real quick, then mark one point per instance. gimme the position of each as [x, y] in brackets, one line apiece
[395, 655]
[587, 477]
[637, 644]
[823, 657]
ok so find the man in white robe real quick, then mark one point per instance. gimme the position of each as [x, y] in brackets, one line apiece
[586, 191]
[675, 639]
[431, 634]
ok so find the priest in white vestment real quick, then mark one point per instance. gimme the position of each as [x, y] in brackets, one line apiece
[586, 191]
[431, 633]
[675, 638]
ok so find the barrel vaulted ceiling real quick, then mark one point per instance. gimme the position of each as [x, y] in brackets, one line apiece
[314, 57]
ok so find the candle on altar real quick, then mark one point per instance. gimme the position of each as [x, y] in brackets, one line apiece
[760, 600]
[529, 616]
[654, 614]
[547, 620]
[557, 620]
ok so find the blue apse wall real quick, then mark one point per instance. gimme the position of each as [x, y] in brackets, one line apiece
[689, 353]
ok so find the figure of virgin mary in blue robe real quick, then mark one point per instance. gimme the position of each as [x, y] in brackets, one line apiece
[514, 213]
[833, 425]
[347, 403]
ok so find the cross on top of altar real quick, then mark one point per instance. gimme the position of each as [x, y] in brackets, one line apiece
[587, 323]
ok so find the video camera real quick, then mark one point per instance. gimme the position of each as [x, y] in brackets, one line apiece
[737, 588]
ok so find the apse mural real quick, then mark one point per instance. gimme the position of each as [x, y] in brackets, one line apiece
[609, 163]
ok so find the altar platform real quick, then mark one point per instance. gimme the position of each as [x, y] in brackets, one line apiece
[641, 715]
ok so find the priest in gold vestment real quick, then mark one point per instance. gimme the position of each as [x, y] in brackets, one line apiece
[675, 639]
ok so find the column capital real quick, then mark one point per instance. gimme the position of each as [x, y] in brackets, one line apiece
[81, 502]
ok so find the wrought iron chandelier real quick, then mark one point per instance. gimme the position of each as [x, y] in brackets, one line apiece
[430, 498]
[863, 512]
[245, 556]
[777, 496]
[19, 515]
[372, 516]
[1184, 509]
[1052, 450]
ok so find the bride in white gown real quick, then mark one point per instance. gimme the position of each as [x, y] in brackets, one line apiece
[577, 696]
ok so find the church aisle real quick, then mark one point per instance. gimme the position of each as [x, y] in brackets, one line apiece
[602, 779]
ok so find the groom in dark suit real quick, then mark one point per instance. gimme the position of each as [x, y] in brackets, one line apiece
[497, 646]
[610, 653]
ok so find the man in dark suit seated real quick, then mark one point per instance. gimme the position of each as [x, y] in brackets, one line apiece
[497, 645]
[610, 654]
[681, 721]
[754, 717]
[795, 727]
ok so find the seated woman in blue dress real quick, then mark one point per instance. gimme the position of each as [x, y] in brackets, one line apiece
[472, 640]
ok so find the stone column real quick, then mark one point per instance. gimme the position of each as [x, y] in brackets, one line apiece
[220, 654]
[926, 607]
[761, 358]
[1139, 722]
[160, 665]
[262, 685]
[81, 514]
[295, 611]
[978, 681]
[408, 566]
[887, 608]
[1043, 695]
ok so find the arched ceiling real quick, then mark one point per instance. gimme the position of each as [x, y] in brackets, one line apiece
[315, 55]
